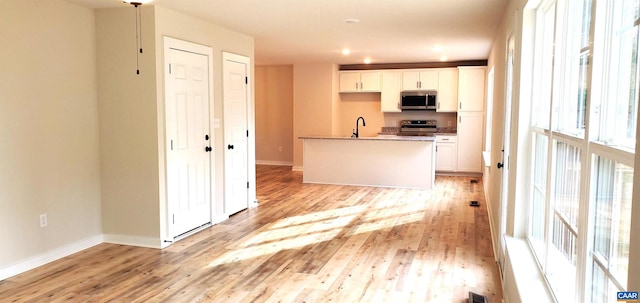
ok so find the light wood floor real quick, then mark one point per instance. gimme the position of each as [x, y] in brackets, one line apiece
[304, 243]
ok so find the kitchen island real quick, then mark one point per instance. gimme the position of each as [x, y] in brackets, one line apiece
[385, 161]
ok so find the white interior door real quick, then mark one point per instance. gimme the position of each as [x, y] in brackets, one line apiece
[504, 184]
[235, 92]
[188, 140]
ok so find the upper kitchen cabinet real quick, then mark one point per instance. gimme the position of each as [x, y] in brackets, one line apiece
[420, 79]
[447, 100]
[360, 82]
[391, 89]
[471, 89]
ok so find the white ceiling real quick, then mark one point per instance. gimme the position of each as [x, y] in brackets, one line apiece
[389, 31]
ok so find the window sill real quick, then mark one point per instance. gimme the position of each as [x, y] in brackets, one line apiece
[523, 281]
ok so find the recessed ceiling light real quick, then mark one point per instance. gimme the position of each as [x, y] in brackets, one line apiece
[443, 58]
[367, 60]
[351, 20]
[346, 51]
[437, 48]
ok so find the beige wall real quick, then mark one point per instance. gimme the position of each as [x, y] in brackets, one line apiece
[49, 158]
[313, 100]
[274, 114]
[128, 127]
[366, 105]
[132, 117]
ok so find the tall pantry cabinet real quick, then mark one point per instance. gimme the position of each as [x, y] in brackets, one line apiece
[471, 95]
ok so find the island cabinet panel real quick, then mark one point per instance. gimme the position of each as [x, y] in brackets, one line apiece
[471, 89]
[470, 134]
[369, 162]
[360, 81]
[391, 89]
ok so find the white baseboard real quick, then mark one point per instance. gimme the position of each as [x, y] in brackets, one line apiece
[133, 241]
[277, 163]
[297, 168]
[491, 227]
[49, 256]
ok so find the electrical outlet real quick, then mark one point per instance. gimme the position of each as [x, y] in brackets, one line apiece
[280, 148]
[449, 123]
[43, 220]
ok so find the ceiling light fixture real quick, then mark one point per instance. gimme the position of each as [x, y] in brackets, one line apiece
[367, 60]
[443, 58]
[351, 20]
[346, 51]
[137, 4]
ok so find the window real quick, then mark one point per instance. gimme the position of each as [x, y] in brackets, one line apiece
[543, 66]
[617, 108]
[585, 84]
[613, 188]
[573, 52]
[539, 197]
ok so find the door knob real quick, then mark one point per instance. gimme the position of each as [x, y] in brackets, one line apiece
[500, 165]
[208, 148]
[230, 146]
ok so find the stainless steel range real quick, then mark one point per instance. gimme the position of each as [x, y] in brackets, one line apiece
[418, 128]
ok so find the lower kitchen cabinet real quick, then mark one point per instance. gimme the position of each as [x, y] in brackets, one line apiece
[446, 153]
[470, 134]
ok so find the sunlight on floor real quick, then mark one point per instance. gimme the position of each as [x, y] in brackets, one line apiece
[299, 231]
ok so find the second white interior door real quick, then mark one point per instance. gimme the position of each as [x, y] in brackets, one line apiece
[235, 94]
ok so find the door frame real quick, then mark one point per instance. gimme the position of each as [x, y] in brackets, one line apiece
[506, 149]
[165, 207]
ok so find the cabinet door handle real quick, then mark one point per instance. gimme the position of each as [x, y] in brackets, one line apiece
[418, 84]
[361, 86]
[356, 85]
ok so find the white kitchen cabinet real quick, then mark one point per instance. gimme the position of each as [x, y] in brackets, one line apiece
[471, 88]
[446, 153]
[421, 79]
[359, 81]
[447, 90]
[470, 134]
[390, 93]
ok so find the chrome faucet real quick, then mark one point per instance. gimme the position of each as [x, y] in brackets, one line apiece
[356, 133]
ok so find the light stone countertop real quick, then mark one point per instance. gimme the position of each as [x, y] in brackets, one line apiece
[378, 138]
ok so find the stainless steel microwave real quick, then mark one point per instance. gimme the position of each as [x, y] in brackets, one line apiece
[418, 100]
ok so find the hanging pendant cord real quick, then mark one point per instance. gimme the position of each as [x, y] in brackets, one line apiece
[140, 26]
[138, 33]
